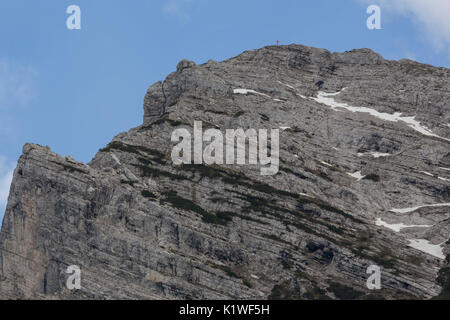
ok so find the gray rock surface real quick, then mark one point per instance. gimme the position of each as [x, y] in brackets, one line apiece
[141, 228]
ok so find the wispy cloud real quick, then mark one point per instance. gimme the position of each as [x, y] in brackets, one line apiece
[17, 84]
[431, 17]
[178, 8]
[6, 175]
[17, 90]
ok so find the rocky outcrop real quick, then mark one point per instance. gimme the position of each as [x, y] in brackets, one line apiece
[363, 180]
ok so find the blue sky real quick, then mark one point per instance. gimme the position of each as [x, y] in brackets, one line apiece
[74, 90]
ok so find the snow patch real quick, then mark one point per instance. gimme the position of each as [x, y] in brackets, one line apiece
[303, 194]
[407, 210]
[324, 98]
[427, 173]
[397, 227]
[374, 154]
[379, 154]
[356, 175]
[326, 163]
[287, 85]
[247, 91]
[443, 179]
[425, 246]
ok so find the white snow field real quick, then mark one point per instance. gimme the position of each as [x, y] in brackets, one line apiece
[397, 227]
[406, 210]
[425, 246]
[324, 98]
[357, 175]
[374, 154]
[247, 91]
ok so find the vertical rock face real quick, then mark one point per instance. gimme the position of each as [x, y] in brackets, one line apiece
[364, 179]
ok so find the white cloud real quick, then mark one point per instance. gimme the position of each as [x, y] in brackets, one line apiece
[17, 84]
[178, 8]
[431, 16]
[6, 175]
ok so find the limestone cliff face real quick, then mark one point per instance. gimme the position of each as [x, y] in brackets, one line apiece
[363, 180]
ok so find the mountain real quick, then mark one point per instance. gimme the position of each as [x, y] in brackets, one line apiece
[363, 180]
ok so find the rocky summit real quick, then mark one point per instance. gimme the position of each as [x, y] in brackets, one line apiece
[363, 180]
